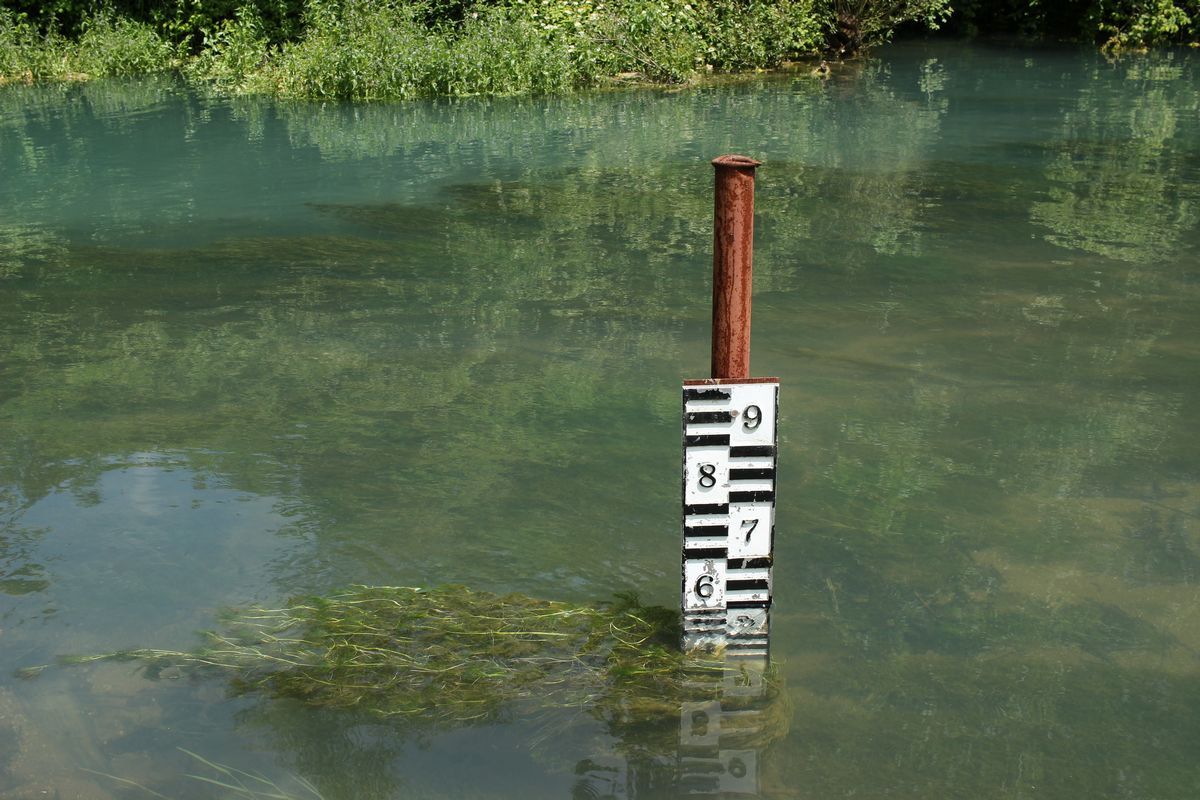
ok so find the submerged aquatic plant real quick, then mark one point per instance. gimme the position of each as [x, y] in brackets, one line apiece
[235, 782]
[451, 655]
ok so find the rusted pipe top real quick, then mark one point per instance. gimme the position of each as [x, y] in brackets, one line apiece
[735, 161]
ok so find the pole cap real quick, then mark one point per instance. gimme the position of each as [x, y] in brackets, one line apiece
[736, 161]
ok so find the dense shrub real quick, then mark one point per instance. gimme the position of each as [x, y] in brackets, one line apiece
[1112, 23]
[405, 48]
[27, 54]
[118, 46]
[672, 40]
[752, 34]
[659, 39]
[196, 21]
[1140, 23]
[59, 16]
[180, 21]
[503, 51]
[107, 46]
[853, 25]
[234, 51]
[362, 50]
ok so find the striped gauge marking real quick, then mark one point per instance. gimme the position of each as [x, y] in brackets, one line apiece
[729, 456]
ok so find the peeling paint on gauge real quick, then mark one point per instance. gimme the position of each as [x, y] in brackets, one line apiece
[729, 463]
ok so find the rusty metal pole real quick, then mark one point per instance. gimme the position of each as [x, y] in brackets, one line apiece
[733, 259]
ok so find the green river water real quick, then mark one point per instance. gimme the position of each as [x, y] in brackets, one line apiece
[250, 350]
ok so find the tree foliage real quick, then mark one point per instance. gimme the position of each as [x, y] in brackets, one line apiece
[1111, 23]
[852, 25]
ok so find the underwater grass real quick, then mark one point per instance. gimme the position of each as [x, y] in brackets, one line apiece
[450, 655]
[236, 782]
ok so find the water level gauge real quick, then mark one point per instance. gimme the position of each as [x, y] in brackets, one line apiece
[729, 456]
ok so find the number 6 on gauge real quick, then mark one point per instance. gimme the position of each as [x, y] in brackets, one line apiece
[703, 584]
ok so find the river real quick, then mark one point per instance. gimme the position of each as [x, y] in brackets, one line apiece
[251, 350]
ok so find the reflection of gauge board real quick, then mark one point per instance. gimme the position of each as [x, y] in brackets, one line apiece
[717, 755]
[729, 455]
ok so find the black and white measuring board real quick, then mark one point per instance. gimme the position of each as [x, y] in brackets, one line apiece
[729, 456]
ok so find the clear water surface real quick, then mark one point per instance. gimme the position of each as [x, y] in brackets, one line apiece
[250, 350]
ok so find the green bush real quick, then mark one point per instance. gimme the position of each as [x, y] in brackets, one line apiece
[58, 16]
[854, 25]
[183, 22]
[117, 46]
[503, 51]
[359, 50]
[108, 46]
[753, 34]
[27, 55]
[234, 52]
[1112, 23]
[1142, 23]
[660, 39]
[195, 22]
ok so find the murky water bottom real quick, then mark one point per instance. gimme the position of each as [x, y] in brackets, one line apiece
[251, 350]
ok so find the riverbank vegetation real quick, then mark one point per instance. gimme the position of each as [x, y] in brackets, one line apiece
[406, 48]
[390, 49]
[1112, 24]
